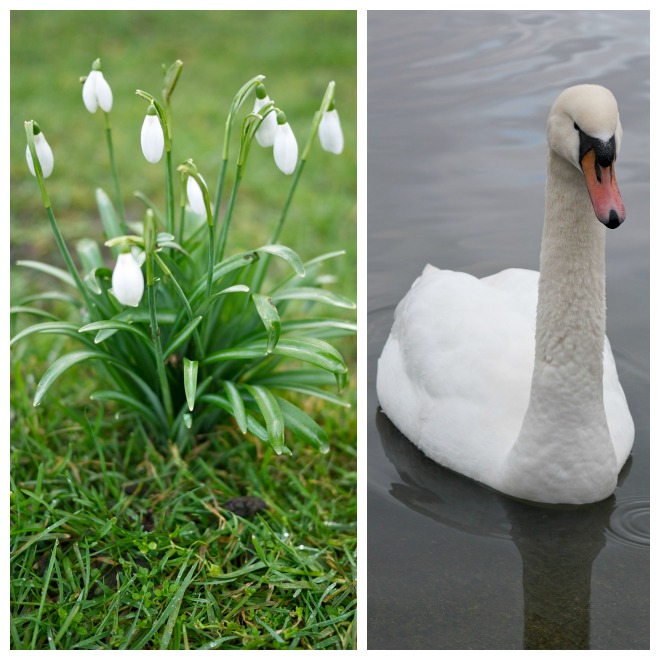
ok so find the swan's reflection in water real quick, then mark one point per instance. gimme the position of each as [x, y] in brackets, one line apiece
[557, 545]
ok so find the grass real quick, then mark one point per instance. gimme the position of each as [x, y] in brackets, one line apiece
[118, 543]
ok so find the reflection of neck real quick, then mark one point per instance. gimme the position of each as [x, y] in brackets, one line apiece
[557, 604]
[564, 425]
[558, 548]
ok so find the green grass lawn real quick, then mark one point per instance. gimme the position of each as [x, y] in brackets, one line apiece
[120, 541]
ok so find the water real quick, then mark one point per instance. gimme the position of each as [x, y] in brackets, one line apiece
[457, 108]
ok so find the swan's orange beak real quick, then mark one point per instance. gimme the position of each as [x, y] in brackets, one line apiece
[603, 190]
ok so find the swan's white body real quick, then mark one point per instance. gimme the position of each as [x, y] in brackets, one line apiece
[524, 397]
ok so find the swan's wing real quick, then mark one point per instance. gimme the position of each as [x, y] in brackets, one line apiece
[619, 419]
[455, 374]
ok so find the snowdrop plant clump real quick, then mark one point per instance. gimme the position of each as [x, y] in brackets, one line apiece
[187, 334]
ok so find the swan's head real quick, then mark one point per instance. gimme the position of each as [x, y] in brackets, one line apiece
[584, 129]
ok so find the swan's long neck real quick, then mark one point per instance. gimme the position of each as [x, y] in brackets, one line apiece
[565, 426]
[570, 318]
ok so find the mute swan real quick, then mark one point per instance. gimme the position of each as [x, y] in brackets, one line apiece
[525, 398]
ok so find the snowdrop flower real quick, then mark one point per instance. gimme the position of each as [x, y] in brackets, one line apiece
[127, 280]
[153, 140]
[44, 154]
[285, 147]
[266, 131]
[195, 196]
[330, 133]
[96, 91]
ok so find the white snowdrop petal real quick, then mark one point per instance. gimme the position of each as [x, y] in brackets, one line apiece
[127, 280]
[285, 149]
[330, 133]
[266, 132]
[89, 91]
[152, 139]
[30, 164]
[103, 93]
[195, 196]
[44, 154]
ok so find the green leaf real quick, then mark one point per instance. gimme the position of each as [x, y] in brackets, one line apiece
[303, 426]
[190, 380]
[102, 335]
[315, 295]
[50, 295]
[236, 402]
[271, 319]
[321, 327]
[170, 78]
[137, 315]
[304, 381]
[18, 309]
[237, 353]
[60, 274]
[325, 257]
[237, 288]
[253, 425]
[272, 415]
[90, 254]
[114, 325]
[223, 268]
[51, 327]
[314, 351]
[287, 254]
[180, 338]
[131, 402]
[109, 219]
[60, 365]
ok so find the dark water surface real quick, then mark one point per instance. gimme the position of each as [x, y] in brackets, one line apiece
[457, 108]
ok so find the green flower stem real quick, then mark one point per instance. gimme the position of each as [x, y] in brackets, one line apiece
[236, 103]
[190, 169]
[167, 134]
[182, 297]
[155, 330]
[218, 192]
[169, 186]
[59, 239]
[115, 175]
[182, 212]
[224, 230]
[260, 271]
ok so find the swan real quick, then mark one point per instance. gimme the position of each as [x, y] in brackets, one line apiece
[510, 379]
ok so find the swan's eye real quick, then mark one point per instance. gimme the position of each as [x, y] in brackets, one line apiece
[576, 127]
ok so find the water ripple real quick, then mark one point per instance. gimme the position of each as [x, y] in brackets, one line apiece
[630, 522]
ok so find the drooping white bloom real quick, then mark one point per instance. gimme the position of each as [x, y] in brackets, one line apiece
[285, 148]
[330, 133]
[44, 154]
[127, 280]
[152, 138]
[266, 131]
[96, 92]
[195, 196]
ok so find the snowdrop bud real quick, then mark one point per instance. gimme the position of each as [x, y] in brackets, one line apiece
[153, 140]
[195, 196]
[96, 91]
[285, 147]
[266, 131]
[44, 154]
[330, 133]
[127, 280]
